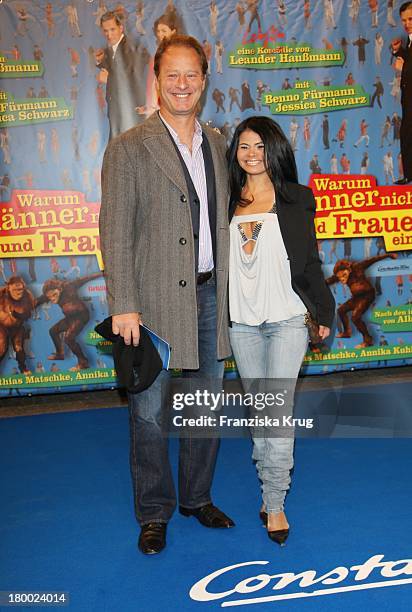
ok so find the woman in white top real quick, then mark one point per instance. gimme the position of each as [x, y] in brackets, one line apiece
[275, 278]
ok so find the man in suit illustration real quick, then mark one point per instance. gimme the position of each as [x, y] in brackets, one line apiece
[403, 52]
[164, 235]
[122, 68]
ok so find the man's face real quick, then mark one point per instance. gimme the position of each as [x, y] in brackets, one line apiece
[180, 82]
[343, 276]
[112, 31]
[16, 290]
[406, 18]
[53, 295]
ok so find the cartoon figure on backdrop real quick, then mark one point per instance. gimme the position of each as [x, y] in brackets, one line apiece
[286, 84]
[240, 10]
[293, 133]
[23, 18]
[341, 135]
[139, 18]
[373, 5]
[73, 19]
[5, 145]
[30, 93]
[349, 79]
[74, 61]
[361, 43]
[76, 315]
[55, 144]
[396, 86]
[16, 306]
[234, 99]
[388, 167]
[252, 8]
[314, 165]
[75, 142]
[247, 100]
[378, 47]
[37, 53]
[307, 15]
[121, 67]
[261, 88]
[5, 185]
[87, 187]
[389, 13]
[219, 50]
[329, 14]
[207, 48]
[352, 274]
[283, 20]
[50, 20]
[328, 45]
[364, 163]
[43, 93]
[396, 124]
[218, 97]
[214, 13]
[325, 132]
[386, 128]
[41, 146]
[333, 164]
[306, 132]
[99, 12]
[344, 164]
[403, 63]
[363, 134]
[378, 93]
[344, 43]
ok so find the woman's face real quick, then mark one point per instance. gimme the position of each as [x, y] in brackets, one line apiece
[251, 153]
[163, 32]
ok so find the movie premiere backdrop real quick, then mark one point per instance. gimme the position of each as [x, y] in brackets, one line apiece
[323, 69]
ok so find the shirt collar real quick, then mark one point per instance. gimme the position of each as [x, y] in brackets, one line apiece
[114, 48]
[197, 133]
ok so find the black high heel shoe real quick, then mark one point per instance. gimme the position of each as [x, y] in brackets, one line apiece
[279, 535]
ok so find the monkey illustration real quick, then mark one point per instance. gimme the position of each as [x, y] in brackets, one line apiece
[16, 306]
[76, 315]
[352, 274]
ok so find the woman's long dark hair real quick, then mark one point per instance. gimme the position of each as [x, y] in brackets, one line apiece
[279, 158]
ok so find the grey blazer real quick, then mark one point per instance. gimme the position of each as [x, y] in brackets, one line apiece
[144, 214]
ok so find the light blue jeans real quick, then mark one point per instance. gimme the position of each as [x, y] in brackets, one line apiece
[271, 351]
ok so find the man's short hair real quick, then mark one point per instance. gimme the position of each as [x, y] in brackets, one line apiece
[179, 40]
[16, 280]
[111, 15]
[404, 7]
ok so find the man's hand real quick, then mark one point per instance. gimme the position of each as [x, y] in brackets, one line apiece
[102, 76]
[396, 45]
[398, 65]
[324, 332]
[99, 55]
[127, 325]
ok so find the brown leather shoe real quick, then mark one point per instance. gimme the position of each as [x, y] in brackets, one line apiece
[152, 538]
[209, 516]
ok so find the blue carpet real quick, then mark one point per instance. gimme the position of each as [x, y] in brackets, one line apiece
[67, 521]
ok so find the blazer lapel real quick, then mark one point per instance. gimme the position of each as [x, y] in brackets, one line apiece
[157, 141]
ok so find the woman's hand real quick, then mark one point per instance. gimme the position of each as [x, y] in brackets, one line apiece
[324, 332]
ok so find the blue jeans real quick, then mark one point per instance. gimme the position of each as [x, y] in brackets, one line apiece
[270, 351]
[153, 486]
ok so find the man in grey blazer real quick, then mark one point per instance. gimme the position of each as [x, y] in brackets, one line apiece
[164, 239]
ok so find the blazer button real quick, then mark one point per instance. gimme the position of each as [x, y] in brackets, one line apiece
[195, 236]
[183, 199]
[196, 201]
[182, 283]
[182, 241]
